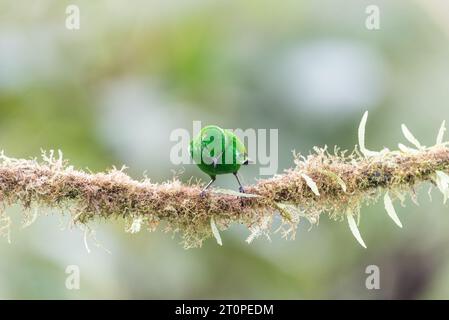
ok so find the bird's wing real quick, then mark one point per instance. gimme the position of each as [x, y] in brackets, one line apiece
[238, 148]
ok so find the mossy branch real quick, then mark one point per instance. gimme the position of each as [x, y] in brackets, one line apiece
[335, 183]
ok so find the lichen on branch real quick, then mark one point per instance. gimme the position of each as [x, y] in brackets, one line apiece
[336, 183]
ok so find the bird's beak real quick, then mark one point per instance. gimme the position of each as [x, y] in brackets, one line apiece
[248, 161]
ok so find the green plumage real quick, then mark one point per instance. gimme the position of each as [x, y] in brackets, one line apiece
[218, 151]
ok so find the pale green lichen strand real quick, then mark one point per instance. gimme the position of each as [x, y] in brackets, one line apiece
[388, 203]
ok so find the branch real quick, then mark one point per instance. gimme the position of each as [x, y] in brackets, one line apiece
[335, 183]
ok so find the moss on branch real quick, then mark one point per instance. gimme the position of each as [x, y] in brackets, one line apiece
[323, 182]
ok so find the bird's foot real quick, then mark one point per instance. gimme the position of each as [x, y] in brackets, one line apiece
[203, 194]
[243, 200]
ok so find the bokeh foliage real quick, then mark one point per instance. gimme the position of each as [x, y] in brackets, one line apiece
[111, 93]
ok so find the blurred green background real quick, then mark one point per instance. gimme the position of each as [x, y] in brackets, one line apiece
[111, 93]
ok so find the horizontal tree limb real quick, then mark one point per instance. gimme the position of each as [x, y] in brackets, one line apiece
[321, 182]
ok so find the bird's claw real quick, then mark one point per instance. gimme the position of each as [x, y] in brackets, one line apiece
[242, 199]
[203, 194]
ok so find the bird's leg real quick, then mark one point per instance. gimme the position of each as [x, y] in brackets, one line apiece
[238, 180]
[203, 192]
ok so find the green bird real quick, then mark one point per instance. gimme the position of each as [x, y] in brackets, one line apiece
[218, 151]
